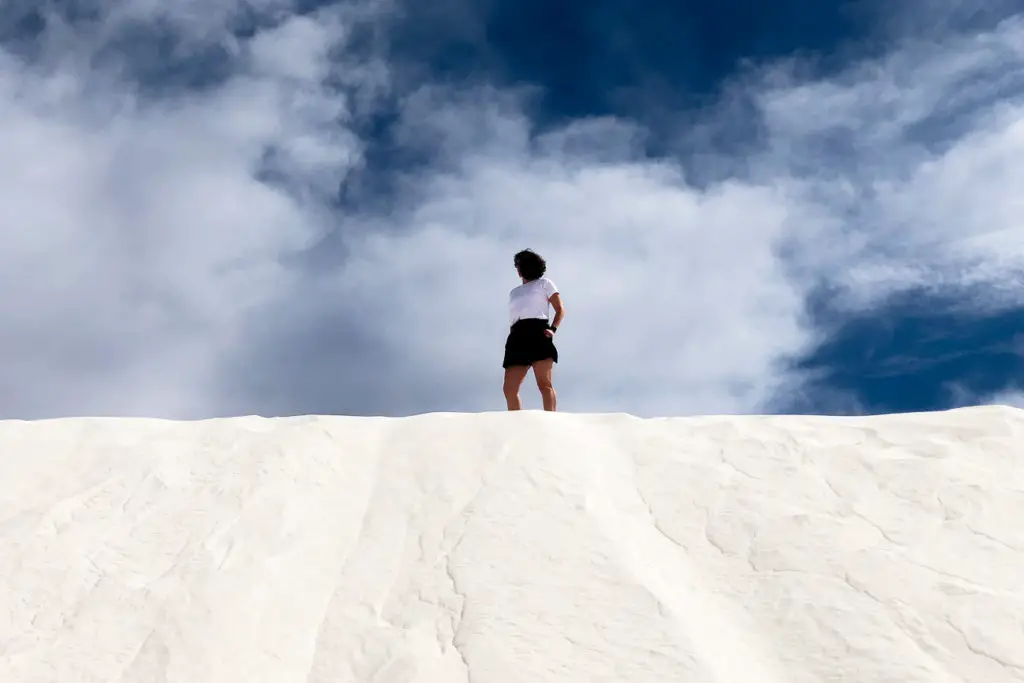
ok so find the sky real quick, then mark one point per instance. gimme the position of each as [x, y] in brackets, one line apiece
[278, 207]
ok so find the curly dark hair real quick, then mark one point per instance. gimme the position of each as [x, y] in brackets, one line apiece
[530, 264]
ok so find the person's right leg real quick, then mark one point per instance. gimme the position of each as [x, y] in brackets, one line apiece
[514, 377]
[542, 371]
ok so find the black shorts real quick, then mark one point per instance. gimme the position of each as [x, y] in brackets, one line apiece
[527, 343]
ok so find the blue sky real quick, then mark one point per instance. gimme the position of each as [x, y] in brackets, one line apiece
[294, 206]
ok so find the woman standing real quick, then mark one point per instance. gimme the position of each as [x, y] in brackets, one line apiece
[530, 342]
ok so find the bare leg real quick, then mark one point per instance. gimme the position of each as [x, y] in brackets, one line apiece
[514, 377]
[542, 371]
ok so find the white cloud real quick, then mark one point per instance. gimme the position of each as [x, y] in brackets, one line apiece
[667, 290]
[924, 171]
[679, 298]
[1014, 399]
[148, 256]
[137, 236]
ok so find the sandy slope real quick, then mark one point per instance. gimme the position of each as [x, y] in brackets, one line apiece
[526, 547]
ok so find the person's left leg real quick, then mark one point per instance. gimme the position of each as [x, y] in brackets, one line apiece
[542, 371]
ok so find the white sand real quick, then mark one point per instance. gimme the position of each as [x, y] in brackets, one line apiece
[515, 548]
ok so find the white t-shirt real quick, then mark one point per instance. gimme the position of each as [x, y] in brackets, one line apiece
[530, 300]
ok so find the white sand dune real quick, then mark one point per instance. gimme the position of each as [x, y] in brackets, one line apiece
[523, 547]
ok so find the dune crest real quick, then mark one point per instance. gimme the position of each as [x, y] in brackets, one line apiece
[506, 548]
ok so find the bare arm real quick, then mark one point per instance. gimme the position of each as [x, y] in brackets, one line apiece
[556, 303]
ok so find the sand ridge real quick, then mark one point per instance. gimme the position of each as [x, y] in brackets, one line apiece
[503, 547]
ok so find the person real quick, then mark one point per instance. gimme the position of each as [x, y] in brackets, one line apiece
[530, 342]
